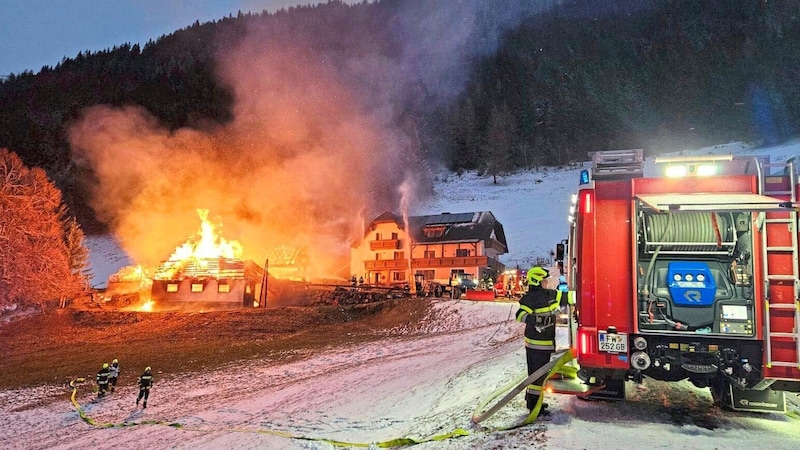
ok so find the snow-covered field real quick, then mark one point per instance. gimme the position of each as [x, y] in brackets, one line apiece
[411, 386]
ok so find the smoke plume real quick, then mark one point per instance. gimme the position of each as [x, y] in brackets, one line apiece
[321, 138]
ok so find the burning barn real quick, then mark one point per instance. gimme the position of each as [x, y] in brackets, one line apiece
[215, 283]
[207, 273]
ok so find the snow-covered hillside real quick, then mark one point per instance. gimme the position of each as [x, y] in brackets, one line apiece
[411, 386]
[533, 206]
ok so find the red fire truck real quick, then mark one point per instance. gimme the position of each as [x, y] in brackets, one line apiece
[688, 274]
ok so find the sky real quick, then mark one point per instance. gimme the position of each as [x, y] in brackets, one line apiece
[419, 381]
[35, 33]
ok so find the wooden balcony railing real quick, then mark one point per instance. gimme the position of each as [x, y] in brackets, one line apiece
[458, 261]
[378, 264]
[385, 244]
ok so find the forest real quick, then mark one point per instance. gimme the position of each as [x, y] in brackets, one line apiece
[493, 86]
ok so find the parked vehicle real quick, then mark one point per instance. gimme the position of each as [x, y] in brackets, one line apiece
[693, 277]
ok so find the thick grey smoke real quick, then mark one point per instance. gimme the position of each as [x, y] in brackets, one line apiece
[320, 141]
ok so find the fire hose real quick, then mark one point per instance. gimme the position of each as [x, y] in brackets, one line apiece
[557, 365]
[397, 442]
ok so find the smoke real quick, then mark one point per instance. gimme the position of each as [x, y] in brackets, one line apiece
[320, 138]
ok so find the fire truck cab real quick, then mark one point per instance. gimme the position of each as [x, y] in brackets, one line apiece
[691, 273]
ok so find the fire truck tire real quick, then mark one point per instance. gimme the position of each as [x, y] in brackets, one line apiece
[437, 291]
[720, 393]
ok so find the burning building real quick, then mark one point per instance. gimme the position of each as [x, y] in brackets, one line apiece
[206, 272]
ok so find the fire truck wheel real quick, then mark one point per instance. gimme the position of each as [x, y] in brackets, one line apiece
[720, 393]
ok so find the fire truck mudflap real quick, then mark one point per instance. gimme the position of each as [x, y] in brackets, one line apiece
[688, 278]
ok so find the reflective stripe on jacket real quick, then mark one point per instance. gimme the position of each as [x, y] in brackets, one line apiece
[538, 309]
[145, 381]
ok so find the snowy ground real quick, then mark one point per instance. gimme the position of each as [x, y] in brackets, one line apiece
[407, 386]
[411, 385]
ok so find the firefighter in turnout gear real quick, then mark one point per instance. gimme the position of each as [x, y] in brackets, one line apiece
[102, 380]
[113, 374]
[145, 382]
[538, 309]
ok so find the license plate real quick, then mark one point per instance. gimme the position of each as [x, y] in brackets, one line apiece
[613, 343]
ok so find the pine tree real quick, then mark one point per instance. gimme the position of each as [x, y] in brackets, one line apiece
[498, 142]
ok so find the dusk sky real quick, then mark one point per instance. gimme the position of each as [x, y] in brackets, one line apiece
[35, 33]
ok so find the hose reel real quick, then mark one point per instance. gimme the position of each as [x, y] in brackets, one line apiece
[688, 233]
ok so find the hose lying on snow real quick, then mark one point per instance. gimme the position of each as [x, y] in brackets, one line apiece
[556, 365]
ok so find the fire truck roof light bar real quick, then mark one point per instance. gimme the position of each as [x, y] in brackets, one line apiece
[700, 170]
[692, 159]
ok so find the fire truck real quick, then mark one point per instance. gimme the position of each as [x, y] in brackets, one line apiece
[690, 273]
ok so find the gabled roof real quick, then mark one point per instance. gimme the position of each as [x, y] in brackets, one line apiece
[388, 217]
[456, 227]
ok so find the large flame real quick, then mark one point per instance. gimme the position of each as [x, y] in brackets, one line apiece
[198, 250]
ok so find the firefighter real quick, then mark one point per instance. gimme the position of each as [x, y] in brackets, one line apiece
[538, 309]
[102, 380]
[113, 374]
[145, 382]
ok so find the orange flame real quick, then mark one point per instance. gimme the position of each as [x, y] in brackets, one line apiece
[146, 306]
[206, 245]
[129, 274]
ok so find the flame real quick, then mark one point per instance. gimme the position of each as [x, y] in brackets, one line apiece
[147, 306]
[128, 274]
[207, 244]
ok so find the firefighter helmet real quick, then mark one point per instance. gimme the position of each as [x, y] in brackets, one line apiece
[105, 365]
[536, 274]
[115, 361]
[147, 369]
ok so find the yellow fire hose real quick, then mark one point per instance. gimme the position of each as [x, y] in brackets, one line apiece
[557, 365]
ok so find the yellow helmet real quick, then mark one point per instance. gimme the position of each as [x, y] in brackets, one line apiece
[536, 274]
[105, 365]
[115, 361]
[147, 369]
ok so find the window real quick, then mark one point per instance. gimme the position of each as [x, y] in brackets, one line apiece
[462, 252]
[429, 254]
[377, 236]
[398, 276]
[394, 236]
[425, 274]
[224, 288]
[433, 232]
[377, 256]
[197, 287]
[399, 255]
[172, 287]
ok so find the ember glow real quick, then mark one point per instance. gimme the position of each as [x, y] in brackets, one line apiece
[206, 246]
[129, 274]
[146, 306]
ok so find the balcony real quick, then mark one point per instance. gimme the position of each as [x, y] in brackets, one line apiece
[385, 244]
[386, 264]
[458, 261]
